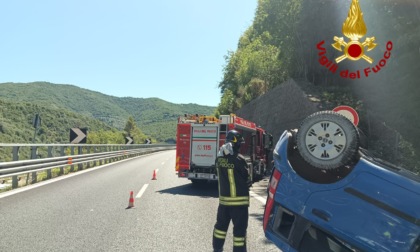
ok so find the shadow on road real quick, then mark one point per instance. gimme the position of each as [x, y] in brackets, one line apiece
[202, 190]
[258, 217]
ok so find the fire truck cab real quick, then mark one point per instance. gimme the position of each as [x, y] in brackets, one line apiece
[199, 138]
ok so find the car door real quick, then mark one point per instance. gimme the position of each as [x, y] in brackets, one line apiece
[372, 212]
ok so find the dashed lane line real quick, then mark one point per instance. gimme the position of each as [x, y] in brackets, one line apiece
[142, 190]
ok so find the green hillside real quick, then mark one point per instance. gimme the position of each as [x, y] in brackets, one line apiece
[16, 126]
[155, 117]
[16, 123]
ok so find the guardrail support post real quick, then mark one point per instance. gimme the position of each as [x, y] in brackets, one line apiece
[50, 154]
[103, 149]
[88, 152]
[79, 152]
[62, 154]
[97, 149]
[15, 180]
[15, 153]
[109, 159]
[34, 156]
[72, 153]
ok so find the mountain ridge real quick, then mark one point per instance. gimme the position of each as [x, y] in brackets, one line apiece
[154, 116]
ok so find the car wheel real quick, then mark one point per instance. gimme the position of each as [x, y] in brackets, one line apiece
[327, 140]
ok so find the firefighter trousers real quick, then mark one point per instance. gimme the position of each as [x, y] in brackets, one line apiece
[239, 217]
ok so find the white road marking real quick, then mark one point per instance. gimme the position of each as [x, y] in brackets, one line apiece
[163, 163]
[258, 197]
[142, 190]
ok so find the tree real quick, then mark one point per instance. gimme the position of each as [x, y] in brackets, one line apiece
[132, 130]
[130, 126]
[227, 105]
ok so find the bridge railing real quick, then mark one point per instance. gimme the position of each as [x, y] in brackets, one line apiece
[46, 158]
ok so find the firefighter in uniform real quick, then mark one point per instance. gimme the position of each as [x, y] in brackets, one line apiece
[234, 185]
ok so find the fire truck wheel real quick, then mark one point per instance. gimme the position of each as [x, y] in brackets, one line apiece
[327, 140]
[259, 170]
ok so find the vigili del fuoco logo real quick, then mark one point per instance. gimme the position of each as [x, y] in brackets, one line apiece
[354, 28]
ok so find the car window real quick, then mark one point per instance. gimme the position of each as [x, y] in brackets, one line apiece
[315, 239]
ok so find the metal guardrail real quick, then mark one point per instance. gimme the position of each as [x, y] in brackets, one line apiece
[68, 155]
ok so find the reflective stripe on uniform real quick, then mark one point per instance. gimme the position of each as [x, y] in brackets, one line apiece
[240, 203]
[240, 198]
[219, 234]
[232, 183]
[238, 241]
[234, 201]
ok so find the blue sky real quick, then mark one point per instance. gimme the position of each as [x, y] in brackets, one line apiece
[170, 49]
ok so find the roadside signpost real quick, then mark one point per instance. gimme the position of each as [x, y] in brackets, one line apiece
[348, 112]
[78, 135]
[129, 140]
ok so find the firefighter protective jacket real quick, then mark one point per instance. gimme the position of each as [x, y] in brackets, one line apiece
[233, 180]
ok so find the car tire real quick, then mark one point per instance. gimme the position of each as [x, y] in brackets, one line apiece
[327, 140]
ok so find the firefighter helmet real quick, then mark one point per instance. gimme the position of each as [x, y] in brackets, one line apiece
[235, 138]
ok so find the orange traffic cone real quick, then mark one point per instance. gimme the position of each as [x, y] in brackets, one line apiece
[131, 201]
[154, 175]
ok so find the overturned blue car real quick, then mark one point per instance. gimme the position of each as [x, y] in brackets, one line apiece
[326, 193]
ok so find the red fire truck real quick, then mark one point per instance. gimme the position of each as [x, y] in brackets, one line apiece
[198, 140]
